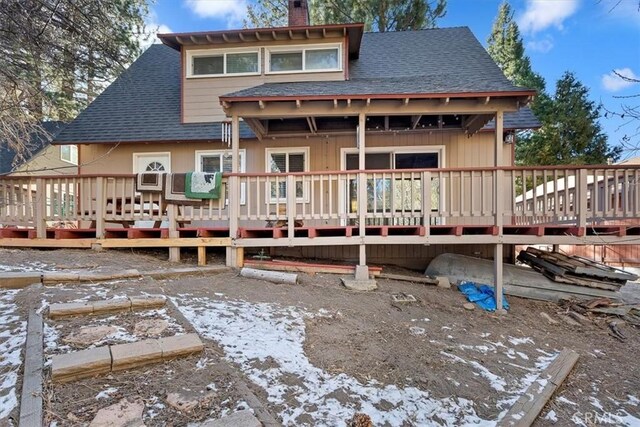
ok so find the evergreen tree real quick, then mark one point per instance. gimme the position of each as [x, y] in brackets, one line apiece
[378, 15]
[56, 55]
[506, 47]
[570, 133]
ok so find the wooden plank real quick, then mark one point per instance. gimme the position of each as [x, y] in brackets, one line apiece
[527, 408]
[404, 278]
[306, 268]
[164, 243]
[31, 399]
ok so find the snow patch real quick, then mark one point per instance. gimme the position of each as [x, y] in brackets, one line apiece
[13, 332]
[267, 342]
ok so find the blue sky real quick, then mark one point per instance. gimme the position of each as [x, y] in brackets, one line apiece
[588, 37]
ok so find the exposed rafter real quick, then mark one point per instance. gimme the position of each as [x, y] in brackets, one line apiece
[313, 127]
[415, 120]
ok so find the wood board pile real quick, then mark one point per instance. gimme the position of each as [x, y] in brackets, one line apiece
[615, 314]
[573, 270]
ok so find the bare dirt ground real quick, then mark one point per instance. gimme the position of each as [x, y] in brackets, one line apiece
[314, 353]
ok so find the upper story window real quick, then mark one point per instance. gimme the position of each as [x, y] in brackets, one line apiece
[213, 63]
[301, 59]
[69, 154]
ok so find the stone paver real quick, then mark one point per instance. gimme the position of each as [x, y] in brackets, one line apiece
[89, 334]
[150, 327]
[237, 419]
[152, 301]
[135, 354]
[117, 304]
[81, 364]
[70, 309]
[125, 413]
[180, 345]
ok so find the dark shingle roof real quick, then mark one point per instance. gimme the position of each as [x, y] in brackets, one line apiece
[521, 119]
[36, 142]
[143, 104]
[445, 60]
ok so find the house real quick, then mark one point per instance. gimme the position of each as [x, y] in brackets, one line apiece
[39, 156]
[371, 147]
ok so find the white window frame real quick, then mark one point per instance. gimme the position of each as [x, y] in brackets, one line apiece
[199, 53]
[417, 149]
[243, 166]
[72, 149]
[136, 156]
[303, 49]
[267, 163]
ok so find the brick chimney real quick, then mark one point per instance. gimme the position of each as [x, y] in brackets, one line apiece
[298, 13]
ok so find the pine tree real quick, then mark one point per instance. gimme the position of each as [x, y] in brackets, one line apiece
[571, 133]
[56, 55]
[506, 47]
[378, 15]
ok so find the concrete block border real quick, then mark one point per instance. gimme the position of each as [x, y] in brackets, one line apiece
[59, 310]
[101, 360]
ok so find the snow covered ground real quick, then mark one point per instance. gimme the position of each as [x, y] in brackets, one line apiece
[12, 336]
[267, 341]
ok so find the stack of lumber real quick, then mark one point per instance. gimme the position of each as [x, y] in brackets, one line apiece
[576, 271]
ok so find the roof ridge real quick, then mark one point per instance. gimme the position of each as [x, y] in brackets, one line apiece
[417, 30]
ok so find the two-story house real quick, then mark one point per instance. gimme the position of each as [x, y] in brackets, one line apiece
[372, 147]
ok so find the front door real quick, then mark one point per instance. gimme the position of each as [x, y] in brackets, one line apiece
[151, 162]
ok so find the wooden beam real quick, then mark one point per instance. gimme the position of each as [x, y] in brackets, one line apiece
[386, 122]
[485, 100]
[31, 396]
[242, 37]
[262, 104]
[349, 103]
[209, 39]
[311, 121]
[298, 103]
[225, 37]
[444, 101]
[258, 36]
[193, 40]
[528, 407]
[329, 107]
[415, 120]
[306, 32]
[405, 101]
[291, 34]
[257, 127]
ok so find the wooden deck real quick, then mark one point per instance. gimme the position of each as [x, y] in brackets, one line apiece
[492, 206]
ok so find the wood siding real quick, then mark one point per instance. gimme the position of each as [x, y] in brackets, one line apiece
[324, 152]
[200, 95]
[47, 162]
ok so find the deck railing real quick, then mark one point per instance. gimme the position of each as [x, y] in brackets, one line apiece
[466, 196]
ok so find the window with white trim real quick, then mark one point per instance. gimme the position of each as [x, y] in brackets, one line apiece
[221, 161]
[215, 63]
[287, 160]
[301, 59]
[69, 154]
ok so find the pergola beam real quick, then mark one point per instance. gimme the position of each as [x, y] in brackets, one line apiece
[331, 107]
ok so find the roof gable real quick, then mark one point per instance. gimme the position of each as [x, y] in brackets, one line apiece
[35, 143]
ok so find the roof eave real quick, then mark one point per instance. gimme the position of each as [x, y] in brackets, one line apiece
[202, 38]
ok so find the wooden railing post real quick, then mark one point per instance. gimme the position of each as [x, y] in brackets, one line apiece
[426, 201]
[100, 207]
[498, 195]
[581, 196]
[291, 205]
[41, 209]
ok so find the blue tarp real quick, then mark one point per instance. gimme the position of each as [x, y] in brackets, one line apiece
[482, 295]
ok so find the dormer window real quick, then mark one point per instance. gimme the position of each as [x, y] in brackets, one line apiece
[216, 63]
[301, 59]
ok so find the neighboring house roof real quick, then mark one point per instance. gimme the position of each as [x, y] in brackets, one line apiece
[143, 104]
[434, 61]
[35, 143]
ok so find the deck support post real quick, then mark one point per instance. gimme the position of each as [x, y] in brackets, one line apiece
[497, 275]
[362, 271]
[174, 252]
[41, 209]
[234, 191]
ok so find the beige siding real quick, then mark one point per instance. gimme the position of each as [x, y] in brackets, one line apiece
[200, 95]
[47, 162]
[459, 150]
